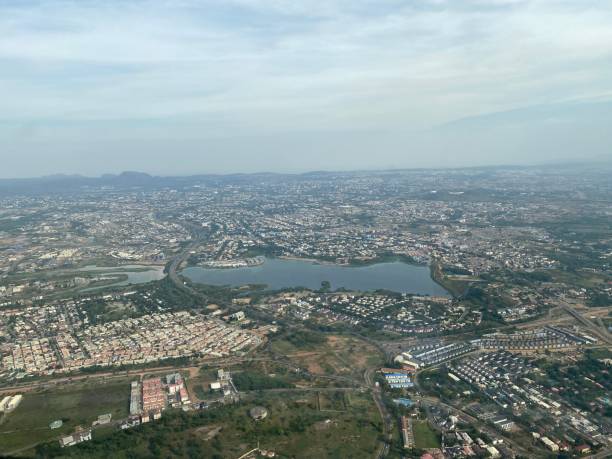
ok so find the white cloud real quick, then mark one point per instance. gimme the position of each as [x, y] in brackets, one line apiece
[212, 68]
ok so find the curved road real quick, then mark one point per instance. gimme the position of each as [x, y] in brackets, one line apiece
[387, 420]
[176, 263]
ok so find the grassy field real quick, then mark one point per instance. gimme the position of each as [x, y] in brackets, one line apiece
[582, 279]
[333, 401]
[199, 392]
[301, 423]
[267, 372]
[327, 434]
[198, 385]
[424, 437]
[334, 355]
[294, 428]
[75, 405]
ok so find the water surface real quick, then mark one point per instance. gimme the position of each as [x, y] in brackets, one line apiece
[279, 273]
[136, 274]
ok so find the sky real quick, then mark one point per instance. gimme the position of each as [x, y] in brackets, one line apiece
[175, 87]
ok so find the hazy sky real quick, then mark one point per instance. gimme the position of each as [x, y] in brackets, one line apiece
[185, 86]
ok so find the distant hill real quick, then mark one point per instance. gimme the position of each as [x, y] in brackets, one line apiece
[65, 183]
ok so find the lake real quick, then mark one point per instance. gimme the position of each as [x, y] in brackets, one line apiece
[137, 274]
[279, 273]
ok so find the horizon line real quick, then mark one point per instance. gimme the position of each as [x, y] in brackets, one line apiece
[62, 175]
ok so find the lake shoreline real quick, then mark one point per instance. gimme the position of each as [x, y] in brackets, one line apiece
[396, 275]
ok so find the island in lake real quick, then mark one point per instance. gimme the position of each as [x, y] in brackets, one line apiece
[232, 264]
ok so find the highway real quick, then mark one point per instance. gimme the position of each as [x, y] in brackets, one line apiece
[198, 235]
[593, 328]
[176, 263]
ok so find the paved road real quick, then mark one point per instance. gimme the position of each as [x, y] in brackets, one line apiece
[461, 413]
[593, 328]
[51, 383]
[198, 235]
[387, 420]
[176, 263]
[426, 399]
[302, 389]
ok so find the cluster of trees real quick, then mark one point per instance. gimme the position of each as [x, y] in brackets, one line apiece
[457, 270]
[173, 435]
[159, 439]
[94, 309]
[579, 391]
[304, 338]
[599, 299]
[172, 296]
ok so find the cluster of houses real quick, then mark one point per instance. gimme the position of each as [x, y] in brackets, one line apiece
[407, 433]
[151, 396]
[135, 341]
[494, 373]
[432, 353]
[548, 337]
[403, 313]
[505, 379]
[460, 444]
[78, 436]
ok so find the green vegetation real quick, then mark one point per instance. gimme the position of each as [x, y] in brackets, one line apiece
[305, 339]
[250, 380]
[385, 258]
[325, 286]
[333, 401]
[76, 405]
[456, 270]
[293, 428]
[600, 353]
[166, 291]
[584, 279]
[438, 383]
[200, 392]
[95, 310]
[424, 436]
[582, 383]
[600, 299]
[455, 287]
[328, 353]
